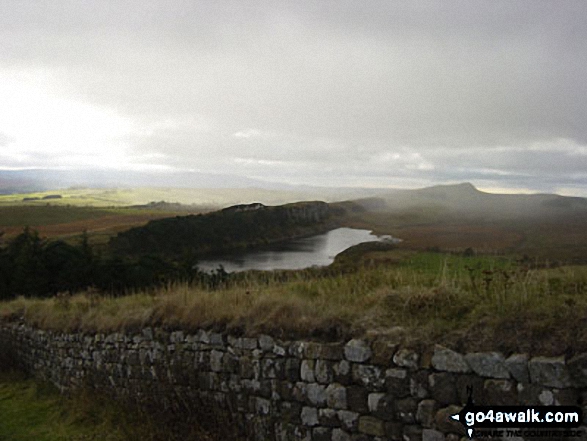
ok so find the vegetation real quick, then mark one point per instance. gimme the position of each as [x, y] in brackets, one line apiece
[470, 303]
[35, 411]
[231, 228]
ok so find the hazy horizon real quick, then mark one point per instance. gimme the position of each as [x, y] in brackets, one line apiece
[333, 94]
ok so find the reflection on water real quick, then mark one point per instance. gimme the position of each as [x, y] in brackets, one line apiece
[318, 250]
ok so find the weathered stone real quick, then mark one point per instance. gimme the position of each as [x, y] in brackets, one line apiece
[432, 435]
[216, 360]
[348, 419]
[266, 343]
[316, 394]
[307, 371]
[549, 371]
[357, 351]
[385, 408]
[406, 358]
[328, 417]
[426, 412]
[340, 435]
[342, 372]
[566, 397]
[578, 369]
[500, 392]
[394, 431]
[357, 399]
[291, 411]
[292, 369]
[368, 376]
[418, 385]
[321, 434]
[529, 393]
[445, 359]
[406, 409]
[517, 364]
[412, 433]
[323, 371]
[446, 424]
[371, 426]
[373, 400]
[336, 396]
[465, 383]
[442, 387]
[546, 398]
[309, 416]
[488, 364]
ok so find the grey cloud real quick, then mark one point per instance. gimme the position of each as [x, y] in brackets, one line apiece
[338, 84]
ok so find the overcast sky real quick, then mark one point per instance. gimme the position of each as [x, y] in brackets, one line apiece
[336, 93]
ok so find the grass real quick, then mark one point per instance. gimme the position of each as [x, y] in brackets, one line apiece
[36, 412]
[31, 410]
[470, 303]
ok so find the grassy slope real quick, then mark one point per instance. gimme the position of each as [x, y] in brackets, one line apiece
[34, 411]
[432, 297]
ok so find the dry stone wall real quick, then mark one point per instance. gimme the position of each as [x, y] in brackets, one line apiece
[299, 390]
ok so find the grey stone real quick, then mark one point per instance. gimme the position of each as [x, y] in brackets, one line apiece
[307, 371]
[371, 426]
[426, 412]
[357, 351]
[406, 358]
[517, 364]
[309, 416]
[549, 371]
[368, 375]
[488, 364]
[373, 400]
[321, 434]
[316, 394]
[336, 396]
[323, 371]
[578, 369]
[442, 387]
[348, 419]
[340, 435]
[266, 343]
[445, 359]
[546, 398]
[328, 417]
[216, 360]
[500, 392]
[432, 435]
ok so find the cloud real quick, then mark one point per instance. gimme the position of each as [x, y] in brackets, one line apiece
[328, 92]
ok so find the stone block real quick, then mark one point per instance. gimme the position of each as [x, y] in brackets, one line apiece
[445, 359]
[549, 371]
[442, 387]
[426, 412]
[578, 370]
[369, 376]
[488, 364]
[357, 351]
[349, 420]
[309, 416]
[406, 358]
[517, 364]
[336, 397]
[371, 426]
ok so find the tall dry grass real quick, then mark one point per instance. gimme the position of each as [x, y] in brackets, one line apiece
[433, 297]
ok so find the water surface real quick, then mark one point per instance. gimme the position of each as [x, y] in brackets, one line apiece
[318, 250]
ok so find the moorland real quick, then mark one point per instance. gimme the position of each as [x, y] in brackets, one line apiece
[474, 270]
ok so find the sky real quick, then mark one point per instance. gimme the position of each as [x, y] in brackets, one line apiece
[333, 92]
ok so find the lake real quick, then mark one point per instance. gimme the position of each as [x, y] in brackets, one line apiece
[306, 252]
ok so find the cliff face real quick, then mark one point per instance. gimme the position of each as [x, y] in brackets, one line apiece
[234, 227]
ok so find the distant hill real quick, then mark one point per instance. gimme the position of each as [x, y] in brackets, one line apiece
[227, 229]
[466, 200]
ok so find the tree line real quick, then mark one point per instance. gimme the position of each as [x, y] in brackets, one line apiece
[34, 267]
